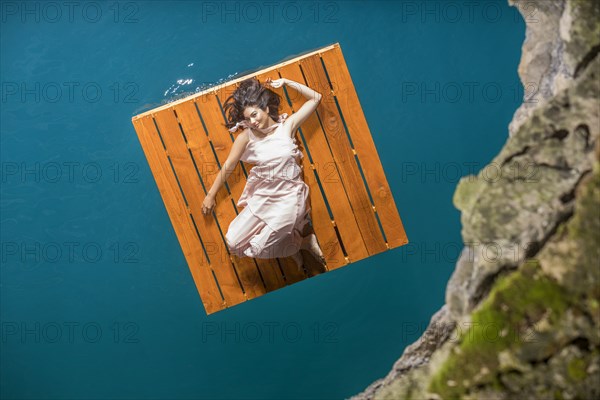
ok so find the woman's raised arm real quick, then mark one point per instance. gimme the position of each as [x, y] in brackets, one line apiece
[313, 99]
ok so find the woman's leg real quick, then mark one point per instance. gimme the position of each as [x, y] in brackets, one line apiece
[299, 260]
[311, 244]
[240, 232]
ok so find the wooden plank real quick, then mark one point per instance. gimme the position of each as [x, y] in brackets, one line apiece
[180, 219]
[191, 187]
[322, 224]
[344, 157]
[324, 165]
[272, 275]
[199, 145]
[225, 210]
[358, 129]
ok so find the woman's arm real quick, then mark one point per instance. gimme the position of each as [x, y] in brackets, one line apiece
[305, 91]
[311, 104]
[239, 145]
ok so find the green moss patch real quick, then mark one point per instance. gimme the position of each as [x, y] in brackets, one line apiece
[516, 302]
[577, 369]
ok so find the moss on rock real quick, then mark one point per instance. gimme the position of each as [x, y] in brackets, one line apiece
[500, 323]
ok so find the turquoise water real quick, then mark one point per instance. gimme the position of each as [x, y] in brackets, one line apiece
[96, 297]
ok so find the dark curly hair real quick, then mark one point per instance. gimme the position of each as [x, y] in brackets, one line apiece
[250, 92]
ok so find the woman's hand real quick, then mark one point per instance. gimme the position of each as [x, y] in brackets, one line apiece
[277, 82]
[208, 204]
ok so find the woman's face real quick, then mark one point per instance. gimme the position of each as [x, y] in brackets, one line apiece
[256, 117]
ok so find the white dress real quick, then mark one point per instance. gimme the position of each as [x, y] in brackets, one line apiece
[274, 198]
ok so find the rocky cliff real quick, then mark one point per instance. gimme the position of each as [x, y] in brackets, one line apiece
[522, 312]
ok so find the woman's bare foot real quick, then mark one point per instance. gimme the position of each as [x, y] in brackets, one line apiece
[299, 260]
[311, 244]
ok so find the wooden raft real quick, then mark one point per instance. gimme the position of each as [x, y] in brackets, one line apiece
[353, 212]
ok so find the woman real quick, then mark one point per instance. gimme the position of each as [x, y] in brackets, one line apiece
[274, 198]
